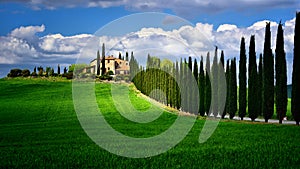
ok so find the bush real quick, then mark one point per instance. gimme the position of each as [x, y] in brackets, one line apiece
[110, 72]
[15, 73]
[34, 74]
[25, 73]
[68, 75]
[106, 77]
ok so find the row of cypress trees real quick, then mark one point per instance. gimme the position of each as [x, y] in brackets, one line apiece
[209, 93]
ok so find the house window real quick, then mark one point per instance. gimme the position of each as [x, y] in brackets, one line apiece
[108, 68]
[107, 61]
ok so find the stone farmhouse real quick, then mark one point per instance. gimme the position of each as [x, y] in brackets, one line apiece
[116, 65]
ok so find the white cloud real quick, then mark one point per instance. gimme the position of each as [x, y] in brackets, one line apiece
[182, 42]
[27, 32]
[226, 27]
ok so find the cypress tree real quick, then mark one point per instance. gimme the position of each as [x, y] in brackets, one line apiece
[268, 76]
[221, 87]
[58, 69]
[120, 56]
[207, 86]
[252, 71]
[201, 89]
[98, 63]
[103, 69]
[260, 86]
[295, 107]
[214, 73]
[195, 90]
[126, 58]
[233, 88]
[242, 80]
[195, 70]
[281, 77]
[227, 75]
[177, 89]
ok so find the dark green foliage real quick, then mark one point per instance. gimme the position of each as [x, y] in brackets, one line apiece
[126, 58]
[34, 70]
[252, 81]
[201, 89]
[120, 55]
[215, 81]
[15, 73]
[25, 73]
[68, 75]
[207, 86]
[281, 76]
[48, 70]
[65, 70]
[233, 89]
[260, 86]
[58, 69]
[295, 107]
[242, 80]
[268, 76]
[98, 63]
[40, 70]
[103, 69]
[195, 70]
[227, 75]
[222, 90]
[190, 64]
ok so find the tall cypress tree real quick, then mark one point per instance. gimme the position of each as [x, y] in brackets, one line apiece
[194, 98]
[120, 56]
[58, 69]
[260, 86]
[233, 88]
[126, 57]
[215, 77]
[296, 72]
[177, 89]
[103, 69]
[98, 63]
[227, 75]
[268, 76]
[202, 89]
[221, 87]
[195, 70]
[281, 77]
[242, 80]
[252, 71]
[207, 86]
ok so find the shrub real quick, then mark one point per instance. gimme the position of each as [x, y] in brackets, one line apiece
[25, 73]
[34, 74]
[110, 72]
[15, 73]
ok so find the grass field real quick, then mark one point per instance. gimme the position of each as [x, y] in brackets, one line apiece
[39, 129]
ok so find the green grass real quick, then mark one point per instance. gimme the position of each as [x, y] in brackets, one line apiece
[39, 129]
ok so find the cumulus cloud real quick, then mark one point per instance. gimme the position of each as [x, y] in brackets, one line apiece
[28, 32]
[180, 7]
[22, 45]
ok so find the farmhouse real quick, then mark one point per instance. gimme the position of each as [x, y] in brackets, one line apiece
[116, 65]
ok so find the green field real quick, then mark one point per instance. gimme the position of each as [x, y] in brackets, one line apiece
[39, 129]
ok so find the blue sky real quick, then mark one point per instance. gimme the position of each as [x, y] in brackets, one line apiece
[81, 19]
[47, 33]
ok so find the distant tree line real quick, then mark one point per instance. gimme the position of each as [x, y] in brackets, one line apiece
[42, 72]
[265, 86]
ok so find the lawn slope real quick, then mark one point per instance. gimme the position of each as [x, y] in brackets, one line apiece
[39, 128]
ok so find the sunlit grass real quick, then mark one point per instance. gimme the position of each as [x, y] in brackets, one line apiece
[39, 129]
